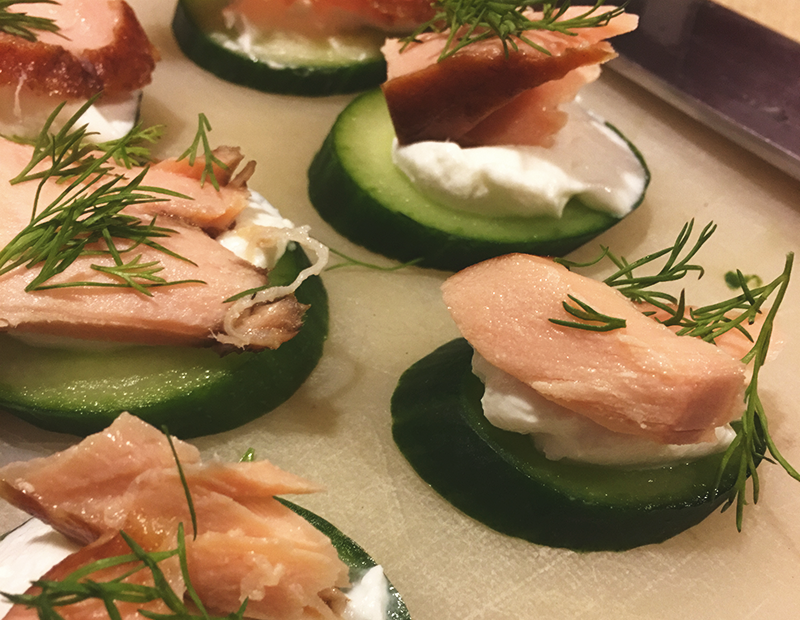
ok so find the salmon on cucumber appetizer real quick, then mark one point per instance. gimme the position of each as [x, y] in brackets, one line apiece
[592, 415]
[145, 527]
[69, 52]
[167, 289]
[475, 147]
[298, 47]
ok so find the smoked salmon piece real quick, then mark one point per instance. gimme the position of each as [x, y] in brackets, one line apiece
[641, 379]
[431, 100]
[248, 545]
[100, 47]
[534, 117]
[184, 314]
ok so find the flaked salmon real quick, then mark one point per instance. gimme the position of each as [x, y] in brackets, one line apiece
[186, 314]
[104, 548]
[100, 47]
[448, 100]
[248, 545]
[642, 379]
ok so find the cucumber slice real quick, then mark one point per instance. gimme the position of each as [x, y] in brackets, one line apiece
[12, 545]
[357, 189]
[192, 391]
[498, 478]
[318, 69]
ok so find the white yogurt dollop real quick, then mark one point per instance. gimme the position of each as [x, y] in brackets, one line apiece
[559, 433]
[588, 160]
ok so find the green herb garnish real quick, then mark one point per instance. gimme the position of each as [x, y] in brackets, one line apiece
[86, 219]
[470, 21]
[184, 483]
[349, 261]
[22, 25]
[707, 323]
[598, 322]
[201, 138]
[733, 279]
[68, 149]
[78, 152]
[133, 149]
[754, 437]
[79, 586]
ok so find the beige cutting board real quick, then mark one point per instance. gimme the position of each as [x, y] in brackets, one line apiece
[336, 429]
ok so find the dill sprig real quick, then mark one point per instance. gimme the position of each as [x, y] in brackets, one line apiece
[753, 441]
[201, 138]
[754, 438]
[733, 279]
[79, 586]
[598, 322]
[470, 21]
[184, 483]
[68, 149]
[77, 152]
[20, 24]
[86, 218]
[706, 322]
[133, 150]
[349, 261]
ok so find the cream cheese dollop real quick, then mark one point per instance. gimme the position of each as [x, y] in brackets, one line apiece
[559, 433]
[243, 238]
[588, 160]
[24, 114]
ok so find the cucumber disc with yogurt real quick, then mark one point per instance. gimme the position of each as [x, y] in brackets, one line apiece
[498, 477]
[193, 391]
[357, 189]
[283, 64]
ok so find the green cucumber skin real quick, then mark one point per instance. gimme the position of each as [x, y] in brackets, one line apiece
[352, 554]
[309, 81]
[562, 504]
[242, 387]
[365, 216]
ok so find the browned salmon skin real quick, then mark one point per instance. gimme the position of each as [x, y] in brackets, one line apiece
[100, 47]
[431, 100]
